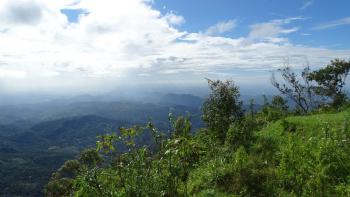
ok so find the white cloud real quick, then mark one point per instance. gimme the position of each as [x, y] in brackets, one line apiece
[174, 19]
[221, 27]
[121, 41]
[273, 28]
[7, 73]
[268, 30]
[335, 23]
[306, 4]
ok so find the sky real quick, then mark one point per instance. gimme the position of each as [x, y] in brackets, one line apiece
[97, 45]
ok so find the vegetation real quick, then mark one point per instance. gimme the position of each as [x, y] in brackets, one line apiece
[298, 89]
[35, 140]
[222, 108]
[314, 89]
[271, 152]
[331, 81]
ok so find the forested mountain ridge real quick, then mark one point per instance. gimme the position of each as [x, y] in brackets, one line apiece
[121, 110]
[28, 157]
[40, 137]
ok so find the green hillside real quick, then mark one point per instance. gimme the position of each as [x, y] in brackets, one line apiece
[294, 156]
[306, 128]
[268, 153]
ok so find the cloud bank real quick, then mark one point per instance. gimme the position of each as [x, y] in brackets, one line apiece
[123, 41]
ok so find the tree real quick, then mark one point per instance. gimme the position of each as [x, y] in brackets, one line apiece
[222, 108]
[275, 110]
[279, 103]
[300, 91]
[331, 81]
[62, 182]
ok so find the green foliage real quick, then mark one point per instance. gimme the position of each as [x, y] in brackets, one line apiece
[266, 153]
[310, 169]
[136, 171]
[230, 174]
[275, 110]
[314, 89]
[36, 139]
[62, 181]
[313, 160]
[90, 157]
[294, 156]
[241, 133]
[296, 88]
[222, 107]
[331, 80]
[288, 126]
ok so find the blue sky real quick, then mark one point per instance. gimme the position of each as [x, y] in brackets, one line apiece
[200, 15]
[98, 44]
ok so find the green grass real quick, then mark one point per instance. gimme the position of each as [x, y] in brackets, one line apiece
[294, 156]
[307, 126]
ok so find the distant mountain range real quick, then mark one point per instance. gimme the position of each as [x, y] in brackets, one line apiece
[36, 139]
[28, 157]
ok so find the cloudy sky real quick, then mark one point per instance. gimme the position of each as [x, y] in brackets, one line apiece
[96, 44]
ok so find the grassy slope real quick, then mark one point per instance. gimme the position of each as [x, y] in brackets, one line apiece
[307, 126]
[202, 178]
